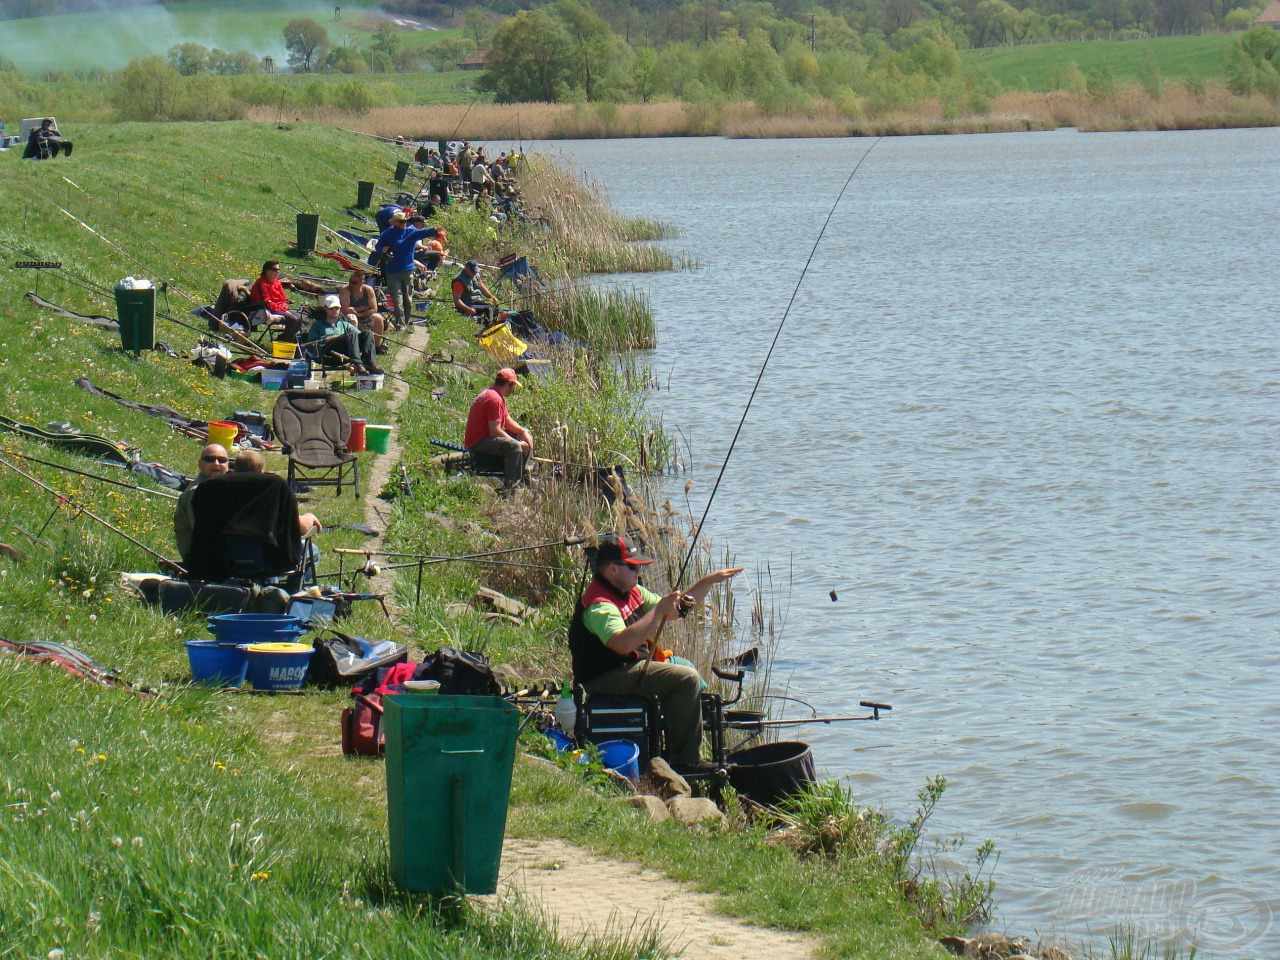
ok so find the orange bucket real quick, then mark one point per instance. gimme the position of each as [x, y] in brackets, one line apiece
[355, 442]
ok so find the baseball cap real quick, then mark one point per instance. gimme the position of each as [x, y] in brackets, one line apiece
[472, 265]
[506, 375]
[615, 549]
[332, 300]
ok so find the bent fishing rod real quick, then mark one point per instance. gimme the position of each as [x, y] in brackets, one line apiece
[71, 502]
[697, 530]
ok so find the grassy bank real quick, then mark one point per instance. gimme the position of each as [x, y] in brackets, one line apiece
[186, 823]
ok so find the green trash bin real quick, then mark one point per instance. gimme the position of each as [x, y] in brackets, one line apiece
[136, 314]
[364, 194]
[449, 761]
[402, 171]
[308, 229]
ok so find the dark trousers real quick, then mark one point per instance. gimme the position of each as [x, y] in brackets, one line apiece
[513, 454]
[350, 346]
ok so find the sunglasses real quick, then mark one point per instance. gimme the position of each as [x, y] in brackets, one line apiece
[215, 459]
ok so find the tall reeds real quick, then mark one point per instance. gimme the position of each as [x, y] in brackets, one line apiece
[1130, 108]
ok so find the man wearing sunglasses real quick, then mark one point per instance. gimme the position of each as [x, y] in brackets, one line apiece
[214, 462]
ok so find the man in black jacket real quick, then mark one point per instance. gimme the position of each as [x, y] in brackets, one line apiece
[45, 141]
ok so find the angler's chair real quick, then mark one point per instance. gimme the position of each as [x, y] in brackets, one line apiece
[464, 460]
[246, 529]
[313, 427]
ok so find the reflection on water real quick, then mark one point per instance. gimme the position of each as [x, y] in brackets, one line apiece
[1024, 420]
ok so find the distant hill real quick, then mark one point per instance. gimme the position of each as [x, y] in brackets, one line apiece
[1041, 66]
[110, 38]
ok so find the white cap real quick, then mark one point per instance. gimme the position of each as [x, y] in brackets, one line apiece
[332, 300]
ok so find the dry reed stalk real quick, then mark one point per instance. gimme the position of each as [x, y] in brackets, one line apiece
[1130, 109]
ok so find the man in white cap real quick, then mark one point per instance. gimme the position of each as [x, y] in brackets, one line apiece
[335, 337]
[492, 430]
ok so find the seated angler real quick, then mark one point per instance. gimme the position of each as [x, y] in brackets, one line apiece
[358, 297]
[612, 631]
[213, 463]
[492, 430]
[45, 142]
[471, 297]
[337, 340]
[251, 461]
[431, 252]
[267, 298]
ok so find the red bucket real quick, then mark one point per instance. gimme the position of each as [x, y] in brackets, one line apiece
[356, 443]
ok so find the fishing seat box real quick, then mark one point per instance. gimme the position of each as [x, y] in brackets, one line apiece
[634, 719]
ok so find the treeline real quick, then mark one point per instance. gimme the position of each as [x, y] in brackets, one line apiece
[152, 88]
[829, 23]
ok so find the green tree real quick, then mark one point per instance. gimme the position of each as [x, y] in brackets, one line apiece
[190, 58]
[478, 26]
[233, 64]
[594, 46]
[307, 42]
[644, 73]
[530, 59]
[147, 89]
[445, 53]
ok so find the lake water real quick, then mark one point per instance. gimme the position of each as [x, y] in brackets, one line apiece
[1024, 420]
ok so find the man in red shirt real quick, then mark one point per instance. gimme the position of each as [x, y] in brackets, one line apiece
[492, 430]
[268, 290]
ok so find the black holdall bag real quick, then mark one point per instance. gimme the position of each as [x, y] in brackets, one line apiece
[340, 661]
[460, 672]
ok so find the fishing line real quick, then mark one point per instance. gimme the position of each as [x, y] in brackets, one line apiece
[70, 501]
[697, 531]
[94, 476]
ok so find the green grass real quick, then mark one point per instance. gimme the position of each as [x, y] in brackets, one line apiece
[112, 38]
[193, 824]
[1042, 66]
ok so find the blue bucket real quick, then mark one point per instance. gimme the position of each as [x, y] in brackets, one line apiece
[622, 756]
[278, 666]
[212, 662]
[562, 742]
[238, 628]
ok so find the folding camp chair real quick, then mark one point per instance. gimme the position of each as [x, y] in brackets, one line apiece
[246, 529]
[313, 427]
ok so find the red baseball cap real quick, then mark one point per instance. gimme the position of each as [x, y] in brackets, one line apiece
[506, 375]
[615, 549]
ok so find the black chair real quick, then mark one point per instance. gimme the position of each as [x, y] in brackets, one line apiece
[246, 529]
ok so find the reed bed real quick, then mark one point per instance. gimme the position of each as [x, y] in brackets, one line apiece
[581, 228]
[611, 319]
[1131, 108]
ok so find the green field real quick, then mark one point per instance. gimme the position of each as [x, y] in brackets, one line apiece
[112, 38]
[1040, 67]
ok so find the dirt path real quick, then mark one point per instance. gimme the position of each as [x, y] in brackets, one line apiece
[582, 893]
[586, 894]
[375, 510]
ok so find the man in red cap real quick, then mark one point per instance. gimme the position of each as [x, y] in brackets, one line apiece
[492, 430]
[611, 632]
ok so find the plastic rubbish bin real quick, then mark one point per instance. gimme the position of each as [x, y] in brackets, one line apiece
[136, 314]
[364, 194]
[449, 763]
[308, 229]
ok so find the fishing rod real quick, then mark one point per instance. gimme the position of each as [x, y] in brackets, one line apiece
[63, 498]
[93, 476]
[566, 542]
[697, 531]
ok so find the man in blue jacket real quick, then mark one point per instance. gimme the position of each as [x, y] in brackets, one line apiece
[395, 247]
